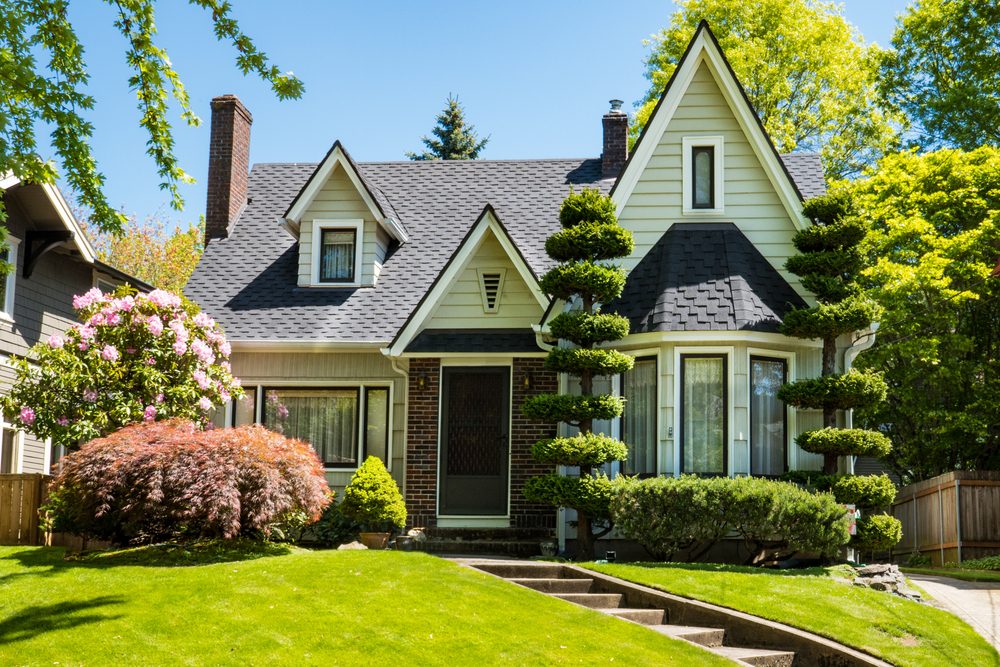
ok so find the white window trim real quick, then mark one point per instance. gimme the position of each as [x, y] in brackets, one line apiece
[7, 312]
[729, 352]
[17, 442]
[318, 226]
[687, 178]
[789, 358]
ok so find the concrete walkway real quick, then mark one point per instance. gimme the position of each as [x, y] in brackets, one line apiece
[976, 603]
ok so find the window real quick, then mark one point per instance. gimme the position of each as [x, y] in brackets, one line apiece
[7, 284]
[8, 452]
[639, 419]
[704, 413]
[490, 288]
[377, 422]
[245, 409]
[702, 175]
[336, 255]
[768, 417]
[325, 418]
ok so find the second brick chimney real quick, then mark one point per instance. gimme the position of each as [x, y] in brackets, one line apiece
[228, 165]
[615, 141]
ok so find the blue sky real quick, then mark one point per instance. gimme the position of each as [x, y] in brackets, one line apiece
[534, 76]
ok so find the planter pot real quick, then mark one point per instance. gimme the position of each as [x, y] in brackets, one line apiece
[404, 543]
[548, 548]
[374, 540]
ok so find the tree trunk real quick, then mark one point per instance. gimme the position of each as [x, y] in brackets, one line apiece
[584, 537]
[829, 414]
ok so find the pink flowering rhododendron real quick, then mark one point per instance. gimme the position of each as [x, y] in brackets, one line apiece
[82, 385]
[163, 480]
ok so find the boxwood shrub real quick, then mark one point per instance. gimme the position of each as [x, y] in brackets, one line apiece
[689, 514]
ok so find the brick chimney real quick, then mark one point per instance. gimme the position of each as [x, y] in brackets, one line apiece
[228, 165]
[615, 141]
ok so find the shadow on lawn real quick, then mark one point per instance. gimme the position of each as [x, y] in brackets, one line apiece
[33, 621]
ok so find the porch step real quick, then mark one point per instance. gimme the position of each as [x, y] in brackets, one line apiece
[710, 637]
[515, 548]
[640, 616]
[756, 656]
[556, 585]
[593, 600]
[522, 570]
[489, 534]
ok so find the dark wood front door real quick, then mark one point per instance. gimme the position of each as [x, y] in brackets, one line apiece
[475, 426]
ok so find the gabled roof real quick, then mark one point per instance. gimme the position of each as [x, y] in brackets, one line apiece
[705, 48]
[705, 277]
[376, 201]
[64, 214]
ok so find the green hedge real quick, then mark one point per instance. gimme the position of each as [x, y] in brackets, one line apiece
[584, 449]
[589, 205]
[564, 281]
[579, 360]
[840, 392]
[845, 442]
[590, 240]
[585, 329]
[572, 409]
[591, 494]
[878, 532]
[829, 318]
[667, 515]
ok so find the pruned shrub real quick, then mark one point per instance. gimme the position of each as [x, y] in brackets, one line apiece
[579, 360]
[668, 515]
[372, 498]
[589, 494]
[572, 409]
[334, 527]
[865, 490]
[586, 449]
[845, 441]
[158, 481]
[839, 392]
[878, 532]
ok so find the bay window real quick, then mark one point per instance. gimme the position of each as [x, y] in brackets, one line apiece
[768, 416]
[704, 414]
[639, 418]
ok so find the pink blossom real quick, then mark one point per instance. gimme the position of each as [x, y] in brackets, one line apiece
[112, 319]
[282, 411]
[90, 395]
[109, 353]
[56, 341]
[237, 382]
[226, 366]
[155, 325]
[84, 346]
[87, 332]
[96, 320]
[200, 377]
[224, 395]
[159, 397]
[202, 351]
[27, 416]
[149, 414]
[177, 326]
[225, 348]
[63, 421]
[151, 361]
[180, 347]
[129, 350]
[205, 404]
[125, 304]
[81, 301]
[164, 299]
[204, 321]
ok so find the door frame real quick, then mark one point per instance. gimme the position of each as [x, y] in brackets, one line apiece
[474, 520]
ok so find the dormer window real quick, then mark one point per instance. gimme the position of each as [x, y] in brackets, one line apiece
[337, 252]
[703, 175]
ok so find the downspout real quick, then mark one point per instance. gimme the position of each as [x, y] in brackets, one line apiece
[394, 363]
[865, 341]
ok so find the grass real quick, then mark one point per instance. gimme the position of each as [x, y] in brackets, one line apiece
[899, 631]
[955, 573]
[243, 605]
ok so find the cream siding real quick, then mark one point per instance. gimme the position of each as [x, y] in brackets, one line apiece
[462, 305]
[336, 368]
[750, 200]
[338, 199]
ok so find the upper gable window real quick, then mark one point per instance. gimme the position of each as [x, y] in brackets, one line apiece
[337, 252]
[7, 283]
[703, 175]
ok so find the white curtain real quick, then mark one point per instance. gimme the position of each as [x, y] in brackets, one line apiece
[639, 418]
[704, 415]
[337, 255]
[377, 423]
[767, 417]
[325, 418]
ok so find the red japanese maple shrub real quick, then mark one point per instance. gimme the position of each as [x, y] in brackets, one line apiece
[158, 481]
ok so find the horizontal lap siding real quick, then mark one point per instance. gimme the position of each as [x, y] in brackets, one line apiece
[340, 200]
[751, 201]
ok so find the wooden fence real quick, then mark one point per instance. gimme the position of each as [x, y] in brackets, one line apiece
[20, 498]
[951, 518]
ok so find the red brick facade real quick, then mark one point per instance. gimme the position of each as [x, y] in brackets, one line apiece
[228, 165]
[529, 378]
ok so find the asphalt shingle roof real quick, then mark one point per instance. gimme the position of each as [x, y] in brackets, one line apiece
[474, 340]
[249, 280]
[705, 277]
[806, 170]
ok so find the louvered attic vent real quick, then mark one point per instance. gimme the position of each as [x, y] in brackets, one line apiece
[491, 287]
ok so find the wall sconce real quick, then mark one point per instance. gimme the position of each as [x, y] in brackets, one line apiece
[421, 381]
[526, 383]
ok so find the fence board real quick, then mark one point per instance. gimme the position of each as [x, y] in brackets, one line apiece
[20, 498]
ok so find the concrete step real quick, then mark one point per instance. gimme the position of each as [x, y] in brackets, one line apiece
[592, 600]
[641, 616]
[515, 548]
[704, 636]
[556, 585]
[756, 656]
[522, 570]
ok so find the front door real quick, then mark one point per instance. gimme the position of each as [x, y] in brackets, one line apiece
[475, 428]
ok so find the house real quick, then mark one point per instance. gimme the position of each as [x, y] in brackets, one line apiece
[52, 261]
[393, 308]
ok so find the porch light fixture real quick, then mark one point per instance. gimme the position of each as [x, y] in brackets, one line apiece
[527, 381]
[421, 381]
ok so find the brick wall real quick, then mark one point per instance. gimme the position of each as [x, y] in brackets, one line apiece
[422, 442]
[524, 433]
[228, 165]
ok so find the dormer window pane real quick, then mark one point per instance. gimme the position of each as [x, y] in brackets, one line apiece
[336, 257]
[703, 172]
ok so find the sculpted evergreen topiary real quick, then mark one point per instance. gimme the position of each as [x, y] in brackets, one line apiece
[372, 498]
[590, 237]
[829, 264]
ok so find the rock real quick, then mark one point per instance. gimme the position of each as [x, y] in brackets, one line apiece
[351, 546]
[417, 534]
[872, 570]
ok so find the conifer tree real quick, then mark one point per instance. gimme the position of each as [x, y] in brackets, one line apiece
[455, 140]
[584, 279]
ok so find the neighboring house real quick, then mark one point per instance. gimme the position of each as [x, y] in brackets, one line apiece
[53, 261]
[393, 308]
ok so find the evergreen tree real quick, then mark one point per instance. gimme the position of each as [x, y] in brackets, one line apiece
[455, 140]
[590, 236]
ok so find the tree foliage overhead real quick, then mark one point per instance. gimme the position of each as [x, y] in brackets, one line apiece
[807, 71]
[935, 240]
[943, 72]
[455, 139]
[586, 280]
[44, 83]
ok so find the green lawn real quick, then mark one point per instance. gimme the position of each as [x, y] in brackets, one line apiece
[899, 631]
[298, 607]
[955, 573]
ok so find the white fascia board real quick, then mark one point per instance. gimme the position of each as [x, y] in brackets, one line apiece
[69, 220]
[704, 51]
[286, 345]
[732, 337]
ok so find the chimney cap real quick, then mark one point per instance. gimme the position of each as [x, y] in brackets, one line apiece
[616, 106]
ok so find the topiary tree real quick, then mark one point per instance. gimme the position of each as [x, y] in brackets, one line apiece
[829, 265]
[590, 237]
[133, 358]
[372, 498]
